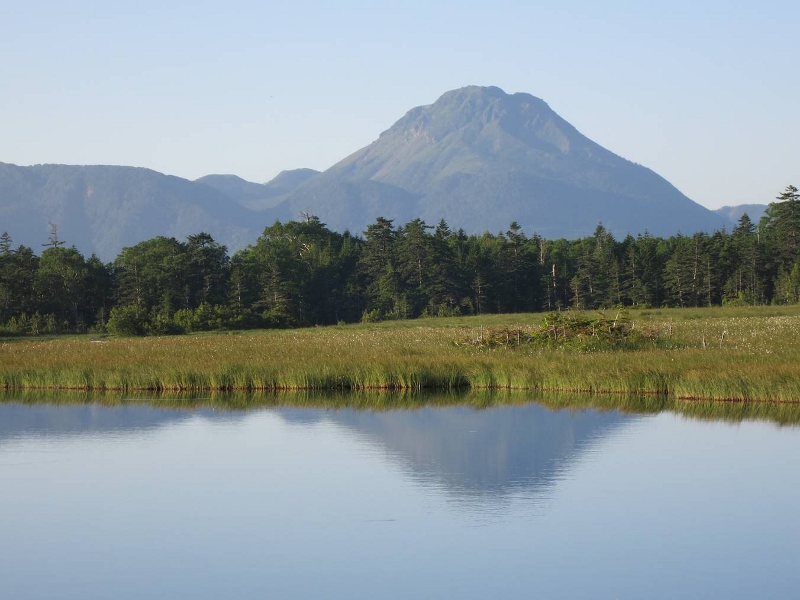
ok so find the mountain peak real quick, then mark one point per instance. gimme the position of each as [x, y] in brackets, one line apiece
[487, 91]
[482, 115]
[474, 101]
[481, 158]
[487, 94]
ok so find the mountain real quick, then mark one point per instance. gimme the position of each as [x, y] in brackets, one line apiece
[101, 209]
[288, 181]
[481, 158]
[477, 157]
[258, 196]
[734, 213]
[478, 456]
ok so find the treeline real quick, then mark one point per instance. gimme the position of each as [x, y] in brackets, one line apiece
[301, 273]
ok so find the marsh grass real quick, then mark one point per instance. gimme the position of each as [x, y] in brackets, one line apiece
[741, 354]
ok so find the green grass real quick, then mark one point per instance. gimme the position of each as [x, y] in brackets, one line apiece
[742, 354]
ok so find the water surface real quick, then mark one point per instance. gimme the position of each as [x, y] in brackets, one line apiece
[137, 501]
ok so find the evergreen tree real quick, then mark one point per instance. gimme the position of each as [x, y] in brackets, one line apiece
[99, 286]
[414, 264]
[378, 265]
[153, 275]
[518, 271]
[53, 241]
[17, 278]
[5, 244]
[448, 288]
[207, 270]
[744, 281]
[782, 227]
[61, 284]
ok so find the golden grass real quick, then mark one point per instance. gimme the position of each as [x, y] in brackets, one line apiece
[740, 354]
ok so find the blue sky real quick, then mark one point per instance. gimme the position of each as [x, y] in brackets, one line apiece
[704, 93]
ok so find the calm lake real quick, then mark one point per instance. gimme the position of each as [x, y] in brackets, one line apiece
[440, 501]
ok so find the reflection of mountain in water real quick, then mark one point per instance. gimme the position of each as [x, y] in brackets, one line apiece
[81, 419]
[470, 453]
[475, 452]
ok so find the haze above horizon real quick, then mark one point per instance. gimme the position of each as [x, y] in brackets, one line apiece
[702, 93]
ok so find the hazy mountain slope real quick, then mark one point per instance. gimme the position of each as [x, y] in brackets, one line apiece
[258, 196]
[481, 158]
[104, 208]
[734, 213]
[237, 189]
[478, 157]
[288, 181]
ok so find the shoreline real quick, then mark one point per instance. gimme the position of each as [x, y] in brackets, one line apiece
[395, 389]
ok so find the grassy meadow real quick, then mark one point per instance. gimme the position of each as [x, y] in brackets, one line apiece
[734, 354]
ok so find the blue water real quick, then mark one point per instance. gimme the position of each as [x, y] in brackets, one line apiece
[508, 502]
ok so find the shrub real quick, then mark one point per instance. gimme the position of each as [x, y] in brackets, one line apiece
[208, 317]
[577, 331]
[162, 324]
[127, 321]
[371, 316]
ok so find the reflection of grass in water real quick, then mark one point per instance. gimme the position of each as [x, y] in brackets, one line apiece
[386, 400]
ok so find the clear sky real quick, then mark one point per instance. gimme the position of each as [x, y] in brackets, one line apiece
[704, 93]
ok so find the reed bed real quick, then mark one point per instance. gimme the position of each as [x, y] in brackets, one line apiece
[735, 354]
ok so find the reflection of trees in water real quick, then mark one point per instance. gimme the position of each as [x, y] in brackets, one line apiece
[472, 445]
[470, 452]
[75, 420]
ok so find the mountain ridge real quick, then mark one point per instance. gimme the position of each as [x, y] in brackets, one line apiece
[477, 157]
[102, 208]
[258, 196]
[500, 158]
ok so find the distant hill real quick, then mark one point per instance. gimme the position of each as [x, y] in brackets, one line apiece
[101, 209]
[477, 157]
[481, 158]
[734, 213]
[258, 196]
